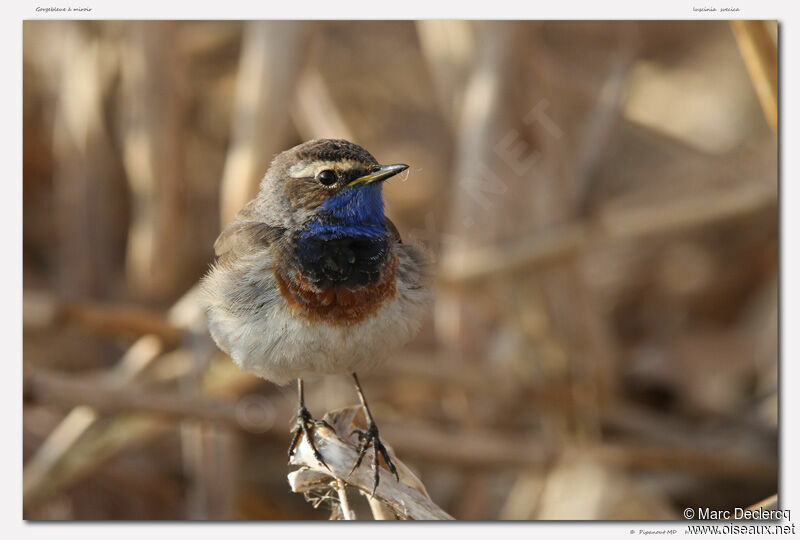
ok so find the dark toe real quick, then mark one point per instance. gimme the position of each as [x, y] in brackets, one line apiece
[371, 438]
[304, 427]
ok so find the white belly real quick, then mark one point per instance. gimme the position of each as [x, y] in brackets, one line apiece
[286, 347]
[272, 342]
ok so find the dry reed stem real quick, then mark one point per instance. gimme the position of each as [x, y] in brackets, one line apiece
[44, 310]
[407, 498]
[273, 55]
[760, 55]
[555, 245]
[484, 449]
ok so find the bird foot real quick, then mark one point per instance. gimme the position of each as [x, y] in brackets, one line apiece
[304, 427]
[371, 438]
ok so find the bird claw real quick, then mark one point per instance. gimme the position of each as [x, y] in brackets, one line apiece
[304, 427]
[371, 438]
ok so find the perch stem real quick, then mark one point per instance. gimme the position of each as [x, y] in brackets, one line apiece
[347, 513]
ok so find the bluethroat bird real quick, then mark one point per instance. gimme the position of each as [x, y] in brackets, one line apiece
[312, 278]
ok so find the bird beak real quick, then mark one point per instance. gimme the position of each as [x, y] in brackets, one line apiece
[380, 174]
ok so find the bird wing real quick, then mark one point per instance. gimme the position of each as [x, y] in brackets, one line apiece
[243, 237]
[393, 232]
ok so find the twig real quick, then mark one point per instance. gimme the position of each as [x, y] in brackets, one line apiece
[115, 320]
[273, 54]
[407, 498]
[433, 445]
[380, 511]
[55, 389]
[347, 514]
[39, 475]
[770, 503]
[88, 191]
[315, 113]
[38, 469]
[154, 148]
[447, 47]
[760, 55]
[557, 244]
[68, 463]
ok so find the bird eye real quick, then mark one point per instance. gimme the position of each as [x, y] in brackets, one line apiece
[327, 177]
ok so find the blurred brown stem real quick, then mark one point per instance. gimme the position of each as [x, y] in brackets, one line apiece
[42, 310]
[273, 55]
[554, 245]
[467, 449]
[760, 55]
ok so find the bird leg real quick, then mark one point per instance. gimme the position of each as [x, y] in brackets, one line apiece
[305, 425]
[369, 438]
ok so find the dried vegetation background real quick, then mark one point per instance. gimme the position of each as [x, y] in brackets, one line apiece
[601, 198]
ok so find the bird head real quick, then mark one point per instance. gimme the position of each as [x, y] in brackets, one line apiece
[328, 188]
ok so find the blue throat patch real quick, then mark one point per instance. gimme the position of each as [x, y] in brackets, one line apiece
[347, 243]
[353, 212]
